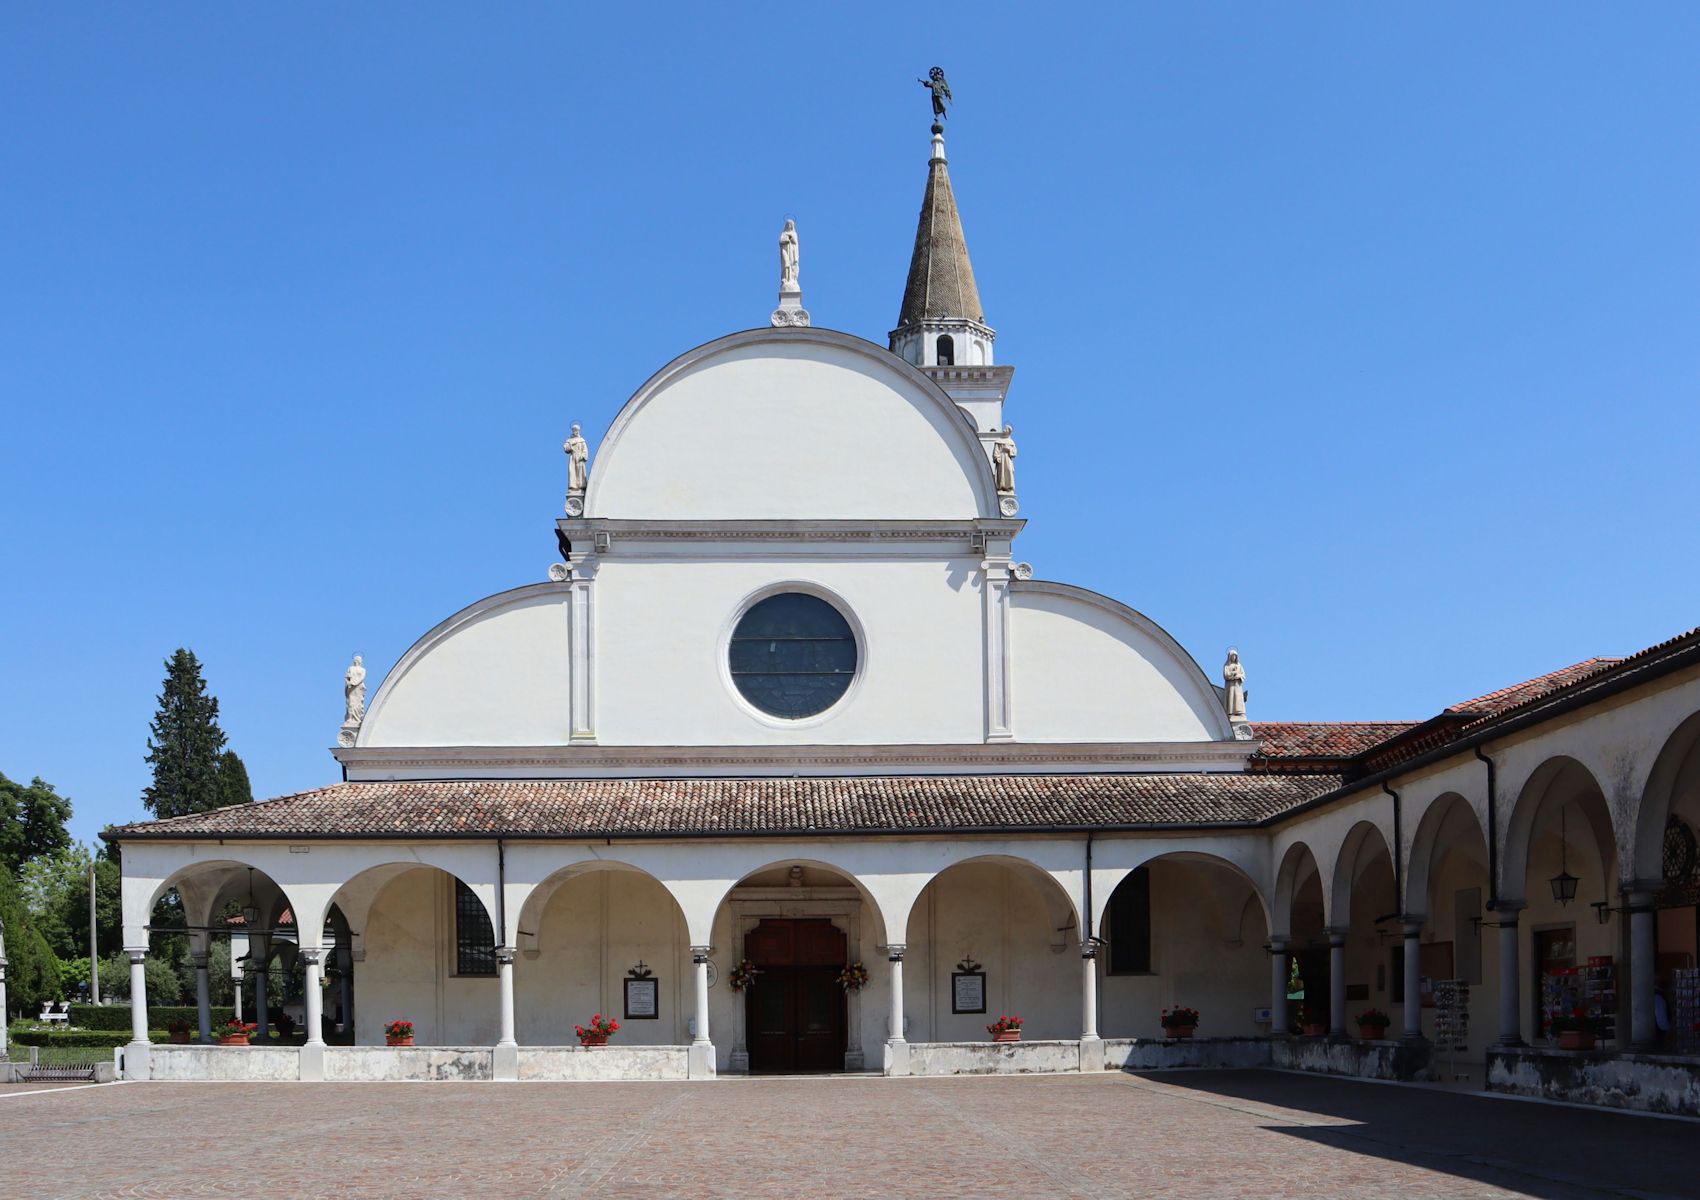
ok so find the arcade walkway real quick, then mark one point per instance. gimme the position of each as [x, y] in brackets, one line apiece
[1179, 1135]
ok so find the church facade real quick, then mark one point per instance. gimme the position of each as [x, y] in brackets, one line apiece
[792, 764]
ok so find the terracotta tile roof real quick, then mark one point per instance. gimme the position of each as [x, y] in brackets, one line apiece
[687, 807]
[1323, 739]
[1507, 698]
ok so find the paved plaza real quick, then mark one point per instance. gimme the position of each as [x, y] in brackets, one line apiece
[1177, 1135]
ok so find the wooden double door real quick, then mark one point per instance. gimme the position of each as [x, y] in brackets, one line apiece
[794, 1010]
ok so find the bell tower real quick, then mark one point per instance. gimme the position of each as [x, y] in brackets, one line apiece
[941, 327]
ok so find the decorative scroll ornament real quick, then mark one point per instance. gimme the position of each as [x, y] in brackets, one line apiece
[1007, 506]
[559, 573]
[1022, 570]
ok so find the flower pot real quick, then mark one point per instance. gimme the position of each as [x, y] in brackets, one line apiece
[1180, 1031]
[1315, 1030]
[394, 1041]
[1372, 1033]
[1576, 1039]
[180, 1039]
[1007, 1035]
[233, 1039]
[593, 1040]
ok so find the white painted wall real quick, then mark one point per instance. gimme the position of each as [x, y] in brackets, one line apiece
[810, 424]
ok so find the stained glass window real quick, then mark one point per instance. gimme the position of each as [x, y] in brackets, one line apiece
[793, 655]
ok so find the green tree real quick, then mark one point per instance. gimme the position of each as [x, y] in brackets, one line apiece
[185, 743]
[233, 787]
[32, 971]
[32, 822]
[56, 890]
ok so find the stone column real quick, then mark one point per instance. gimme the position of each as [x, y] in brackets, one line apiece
[1510, 978]
[203, 996]
[138, 996]
[896, 1048]
[1413, 980]
[506, 1058]
[345, 989]
[315, 1000]
[1643, 949]
[1091, 1047]
[701, 1056]
[1337, 983]
[262, 1010]
[4, 1015]
[1278, 973]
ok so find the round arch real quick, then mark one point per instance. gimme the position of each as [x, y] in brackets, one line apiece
[1115, 878]
[1447, 819]
[1363, 845]
[1675, 778]
[1298, 865]
[530, 916]
[1559, 781]
[874, 910]
[207, 886]
[1064, 912]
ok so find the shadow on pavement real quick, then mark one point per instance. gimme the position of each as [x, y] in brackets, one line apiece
[1541, 1150]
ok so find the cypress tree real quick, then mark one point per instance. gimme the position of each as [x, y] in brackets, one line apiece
[185, 743]
[233, 786]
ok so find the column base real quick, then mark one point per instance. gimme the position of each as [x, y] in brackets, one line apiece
[1092, 1054]
[897, 1057]
[313, 1062]
[699, 1062]
[137, 1060]
[504, 1062]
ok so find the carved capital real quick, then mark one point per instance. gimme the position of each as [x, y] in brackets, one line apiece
[505, 956]
[699, 954]
[137, 956]
[310, 958]
[895, 952]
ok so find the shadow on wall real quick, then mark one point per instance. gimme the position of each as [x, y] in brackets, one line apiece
[1539, 1150]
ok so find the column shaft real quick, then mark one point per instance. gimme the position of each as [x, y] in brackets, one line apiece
[1088, 996]
[1278, 973]
[203, 998]
[1643, 934]
[1510, 981]
[315, 999]
[505, 989]
[1413, 981]
[262, 1010]
[699, 966]
[1337, 984]
[138, 998]
[896, 1022]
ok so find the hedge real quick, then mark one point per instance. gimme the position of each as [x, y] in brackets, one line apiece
[102, 1038]
[117, 1016]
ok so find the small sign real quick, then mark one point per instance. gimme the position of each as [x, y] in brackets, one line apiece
[968, 992]
[1262, 1016]
[643, 999]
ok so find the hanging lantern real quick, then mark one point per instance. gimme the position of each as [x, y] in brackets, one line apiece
[1564, 883]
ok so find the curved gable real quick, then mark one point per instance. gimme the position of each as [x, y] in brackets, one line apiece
[1090, 669]
[457, 685]
[777, 424]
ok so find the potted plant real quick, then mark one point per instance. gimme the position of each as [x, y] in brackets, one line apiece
[283, 1023]
[1179, 1022]
[853, 978]
[742, 976]
[178, 1028]
[1310, 1023]
[398, 1033]
[596, 1033]
[233, 1032]
[1372, 1024]
[1005, 1029]
[1577, 1030]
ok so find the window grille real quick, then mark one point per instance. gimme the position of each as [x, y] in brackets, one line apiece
[475, 940]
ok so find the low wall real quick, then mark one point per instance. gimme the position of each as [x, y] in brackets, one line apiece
[1355, 1059]
[215, 1063]
[387, 1064]
[1166, 1054]
[992, 1058]
[1644, 1082]
[604, 1062]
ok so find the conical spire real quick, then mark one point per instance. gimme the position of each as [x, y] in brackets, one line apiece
[941, 279]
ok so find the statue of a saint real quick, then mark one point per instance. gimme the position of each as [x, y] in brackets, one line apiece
[1003, 462]
[934, 83]
[578, 463]
[1233, 679]
[788, 257]
[354, 692]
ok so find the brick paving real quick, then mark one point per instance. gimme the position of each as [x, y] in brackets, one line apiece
[1177, 1135]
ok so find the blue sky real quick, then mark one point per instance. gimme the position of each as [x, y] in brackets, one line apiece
[1363, 338]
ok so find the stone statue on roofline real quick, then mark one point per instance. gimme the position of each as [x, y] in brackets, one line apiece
[354, 701]
[1003, 462]
[1233, 682]
[788, 261]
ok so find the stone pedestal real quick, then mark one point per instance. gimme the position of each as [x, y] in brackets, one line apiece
[504, 1062]
[313, 1062]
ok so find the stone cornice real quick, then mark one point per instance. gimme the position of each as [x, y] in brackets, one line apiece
[832, 538]
[684, 762]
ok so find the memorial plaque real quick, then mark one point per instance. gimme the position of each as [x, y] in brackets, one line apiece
[968, 992]
[643, 999]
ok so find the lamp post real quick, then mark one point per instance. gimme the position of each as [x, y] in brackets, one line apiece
[94, 944]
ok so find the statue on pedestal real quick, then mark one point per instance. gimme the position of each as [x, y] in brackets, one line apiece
[1003, 462]
[354, 701]
[578, 463]
[934, 83]
[1233, 680]
[788, 261]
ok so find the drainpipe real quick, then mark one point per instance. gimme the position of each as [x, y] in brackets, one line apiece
[1398, 847]
[1086, 920]
[1492, 832]
[501, 893]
